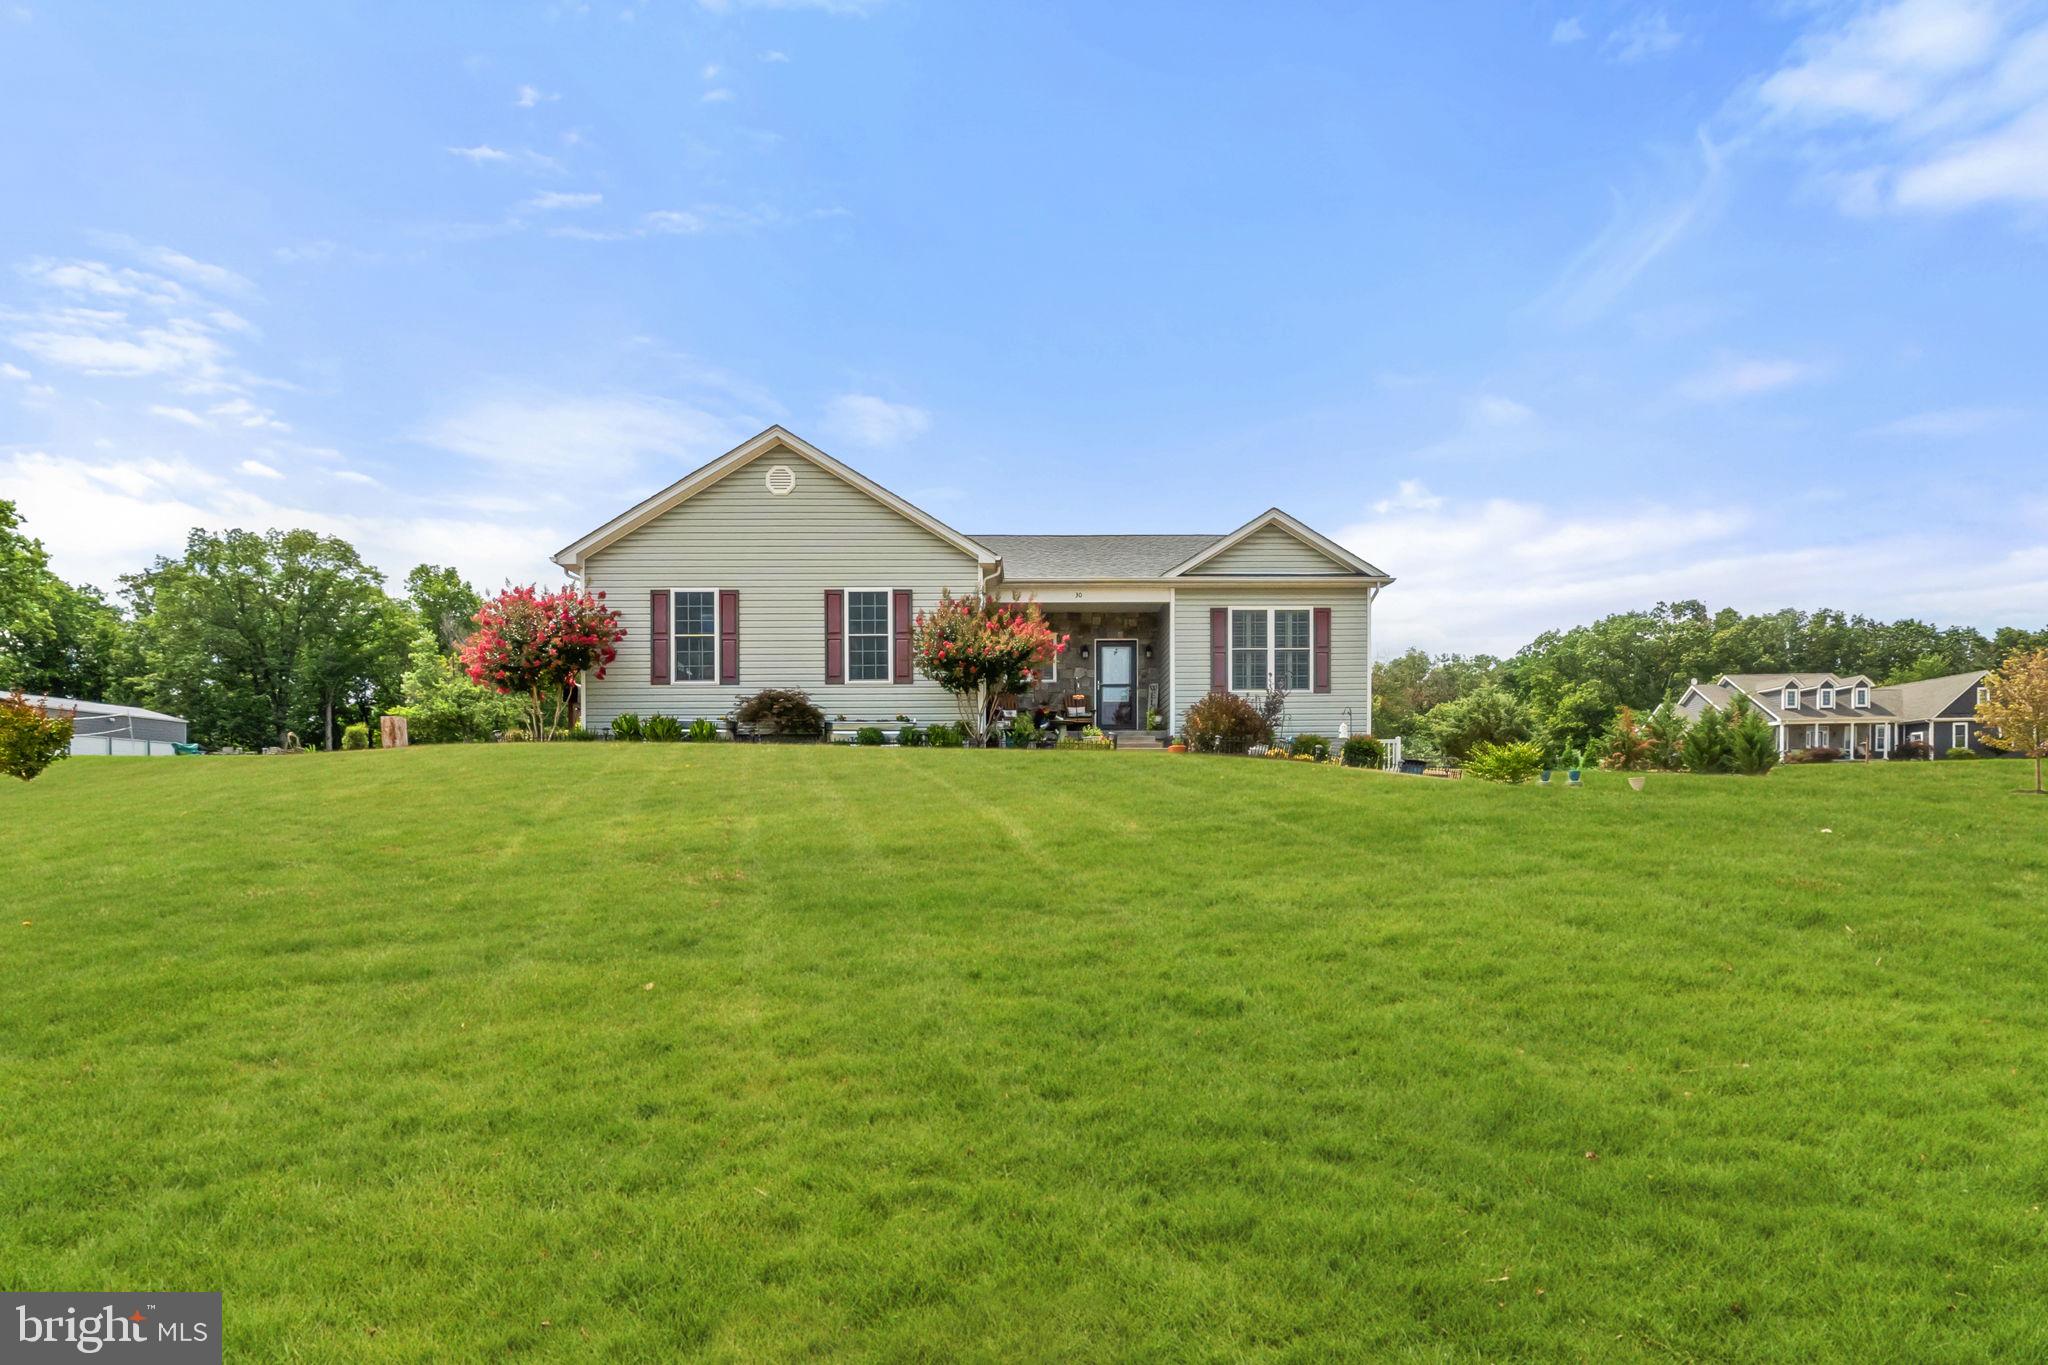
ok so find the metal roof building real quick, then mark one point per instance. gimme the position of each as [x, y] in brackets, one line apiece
[105, 728]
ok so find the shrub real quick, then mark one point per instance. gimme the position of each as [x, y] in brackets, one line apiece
[442, 706]
[1628, 744]
[1089, 738]
[1752, 748]
[909, 737]
[1225, 723]
[663, 729]
[1309, 746]
[780, 711]
[1709, 747]
[1489, 715]
[1505, 762]
[627, 726]
[703, 731]
[944, 736]
[1822, 753]
[32, 737]
[1960, 753]
[1914, 748]
[1363, 751]
[870, 735]
[1023, 733]
[576, 734]
[1666, 729]
[356, 736]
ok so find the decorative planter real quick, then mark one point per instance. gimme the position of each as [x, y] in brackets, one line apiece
[1545, 779]
[1635, 784]
[1176, 748]
[1572, 777]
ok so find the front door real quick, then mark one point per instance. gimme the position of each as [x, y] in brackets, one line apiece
[1116, 684]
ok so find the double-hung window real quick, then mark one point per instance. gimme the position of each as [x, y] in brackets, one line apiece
[1863, 697]
[1250, 647]
[1827, 699]
[1791, 699]
[1271, 648]
[695, 626]
[867, 637]
[1959, 735]
[1290, 650]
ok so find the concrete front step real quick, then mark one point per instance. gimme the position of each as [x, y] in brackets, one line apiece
[1143, 739]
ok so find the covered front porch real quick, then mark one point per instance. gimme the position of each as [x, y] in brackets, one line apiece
[1116, 668]
[1855, 739]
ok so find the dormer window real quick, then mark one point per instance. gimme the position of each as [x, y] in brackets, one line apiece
[1862, 698]
[1791, 699]
[1983, 694]
[1827, 698]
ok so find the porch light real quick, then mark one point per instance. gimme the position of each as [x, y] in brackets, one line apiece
[1084, 651]
[1148, 653]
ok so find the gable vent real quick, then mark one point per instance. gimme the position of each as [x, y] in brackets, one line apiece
[781, 480]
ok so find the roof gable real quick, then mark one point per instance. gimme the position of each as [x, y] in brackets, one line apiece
[573, 555]
[1341, 560]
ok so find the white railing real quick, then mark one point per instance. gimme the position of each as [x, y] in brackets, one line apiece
[1392, 761]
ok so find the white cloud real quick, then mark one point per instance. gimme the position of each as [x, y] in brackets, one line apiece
[103, 520]
[524, 158]
[1491, 574]
[710, 71]
[719, 96]
[1931, 106]
[1494, 410]
[603, 436]
[481, 154]
[773, 55]
[355, 476]
[1568, 31]
[166, 350]
[259, 469]
[1744, 377]
[182, 416]
[531, 96]
[243, 413]
[1412, 496]
[555, 199]
[865, 420]
[1639, 231]
[1648, 34]
[1947, 423]
[8, 371]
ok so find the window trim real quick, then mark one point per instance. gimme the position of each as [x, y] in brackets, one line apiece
[1862, 698]
[1827, 699]
[674, 635]
[888, 635]
[1272, 645]
[1791, 701]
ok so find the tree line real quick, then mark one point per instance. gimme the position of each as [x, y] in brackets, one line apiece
[1564, 688]
[249, 636]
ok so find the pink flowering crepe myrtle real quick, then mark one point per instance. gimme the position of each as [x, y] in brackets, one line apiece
[980, 646]
[531, 642]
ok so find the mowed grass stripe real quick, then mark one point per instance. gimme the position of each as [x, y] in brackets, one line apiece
[969, 1055]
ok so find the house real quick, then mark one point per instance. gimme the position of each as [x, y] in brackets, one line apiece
[777, 566]
[100, 727]
[1851, 713]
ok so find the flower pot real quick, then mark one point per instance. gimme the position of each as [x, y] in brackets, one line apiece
[1176, 748]
[1545, 779]
[1572, 777]
[1635, 784]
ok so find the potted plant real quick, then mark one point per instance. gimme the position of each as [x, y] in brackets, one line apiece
[1572, 759]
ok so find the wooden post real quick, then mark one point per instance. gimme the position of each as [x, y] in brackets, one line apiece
[393, 728]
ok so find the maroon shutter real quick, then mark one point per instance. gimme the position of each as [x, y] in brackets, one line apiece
[660, 654]
[835, 627]
[1322, 643]
[728, 635]
[900, 616]
[1219, 649]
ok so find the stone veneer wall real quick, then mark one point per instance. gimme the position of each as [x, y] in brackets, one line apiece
[1085, 627]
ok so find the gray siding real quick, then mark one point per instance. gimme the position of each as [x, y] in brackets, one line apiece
[781, 554]
[1307, 712]
[1270, 550]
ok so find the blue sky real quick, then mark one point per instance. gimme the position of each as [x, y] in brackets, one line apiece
[1551, 310]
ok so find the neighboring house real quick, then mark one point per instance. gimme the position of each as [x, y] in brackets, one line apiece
[1851, 713]
[777, 566]
[100, 727]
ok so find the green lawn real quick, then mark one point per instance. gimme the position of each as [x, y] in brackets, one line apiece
[756, 1052]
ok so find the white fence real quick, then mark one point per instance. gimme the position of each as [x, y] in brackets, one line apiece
[83, 746]
[1392, 761]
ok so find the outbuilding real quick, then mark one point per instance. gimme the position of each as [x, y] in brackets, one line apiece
[103, 728]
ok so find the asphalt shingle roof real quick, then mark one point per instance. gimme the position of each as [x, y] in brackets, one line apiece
[1028, 558]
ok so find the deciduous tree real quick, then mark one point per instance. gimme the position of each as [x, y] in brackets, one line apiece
[980, 646]
[2014, 712]
[535, 644]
